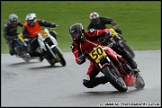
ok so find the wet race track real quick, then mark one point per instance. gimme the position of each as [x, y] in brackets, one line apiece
[36, 84]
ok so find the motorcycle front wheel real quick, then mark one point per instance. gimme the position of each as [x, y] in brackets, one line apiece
[59, 56]
[116, 80]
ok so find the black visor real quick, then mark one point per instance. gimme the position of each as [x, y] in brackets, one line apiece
[30, 22]
[75, 35]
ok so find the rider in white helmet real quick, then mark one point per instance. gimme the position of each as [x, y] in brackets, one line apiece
[31, 28]
[99, 22]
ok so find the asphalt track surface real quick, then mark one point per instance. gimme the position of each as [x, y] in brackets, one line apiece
[36, 84]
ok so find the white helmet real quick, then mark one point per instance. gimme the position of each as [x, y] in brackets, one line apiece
[30, 18]
[94, 17]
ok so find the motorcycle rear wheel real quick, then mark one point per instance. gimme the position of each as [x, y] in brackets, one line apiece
[139, 82]
[116, 80]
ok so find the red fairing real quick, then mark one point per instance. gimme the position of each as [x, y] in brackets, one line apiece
[111, 53]
[130, 80]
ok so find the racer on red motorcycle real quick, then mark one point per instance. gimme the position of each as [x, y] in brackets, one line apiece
[81, 44]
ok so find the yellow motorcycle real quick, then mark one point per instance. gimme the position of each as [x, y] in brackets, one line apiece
[120, 40]
[20, 47]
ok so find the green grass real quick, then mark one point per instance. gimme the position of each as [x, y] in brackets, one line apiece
[139, 20]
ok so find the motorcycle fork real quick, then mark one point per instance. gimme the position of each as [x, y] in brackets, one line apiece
[102, 63]
[123, 74]
[50, 50]
[110, 64]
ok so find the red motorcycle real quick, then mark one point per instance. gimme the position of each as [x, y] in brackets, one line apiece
[115, 68]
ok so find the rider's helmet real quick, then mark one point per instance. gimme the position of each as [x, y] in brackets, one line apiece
[13, 19]
[76, 32]
[95, 18]
[30, 18]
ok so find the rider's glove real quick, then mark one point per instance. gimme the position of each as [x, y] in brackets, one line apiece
[81, 59]
[91, 30]
[108, 35]
[113, 23]
[53, 25]
[118, 30]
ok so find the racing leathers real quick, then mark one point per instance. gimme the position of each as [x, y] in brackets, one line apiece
[79, 48]
[102, 24]
[86, 45]
[32, 31]
[10, 32]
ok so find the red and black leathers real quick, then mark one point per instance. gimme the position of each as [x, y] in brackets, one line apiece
[86, 45]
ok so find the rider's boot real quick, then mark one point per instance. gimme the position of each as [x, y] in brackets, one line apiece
[41, 58]
[11, 52]
[94, 82]
[11, 49]
[103, 80]
[132, 63]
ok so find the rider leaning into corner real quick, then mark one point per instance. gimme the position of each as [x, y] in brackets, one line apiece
[31, 28]
[82, 44]
[10, 31]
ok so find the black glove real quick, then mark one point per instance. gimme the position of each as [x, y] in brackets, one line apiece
[118, 30]
[108, 35]
[85, 54]
[113, 23]
[81, 59]
[91, 30]
[53, 25]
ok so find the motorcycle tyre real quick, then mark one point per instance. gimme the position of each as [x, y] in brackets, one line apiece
[59, 56]
[107, 71]
[50, 62]
[139, 82]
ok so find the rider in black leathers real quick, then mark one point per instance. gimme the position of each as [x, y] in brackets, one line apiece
[98, 22]
[10, 31]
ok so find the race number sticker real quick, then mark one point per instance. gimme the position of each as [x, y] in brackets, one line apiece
[97, 54]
